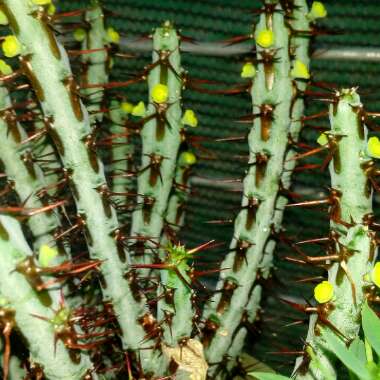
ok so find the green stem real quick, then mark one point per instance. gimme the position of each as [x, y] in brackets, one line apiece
[121, 159]
[27, 304]
[268, 139]
[95, 63]
[26, 176]
[300, 45]
[355, 244]
[160, 142]
[48, 69]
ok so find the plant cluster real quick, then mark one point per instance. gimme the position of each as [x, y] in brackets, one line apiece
[94, 280]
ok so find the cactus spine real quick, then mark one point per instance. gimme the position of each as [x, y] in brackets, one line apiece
[272, 96]
[352, 251]
[48, 69]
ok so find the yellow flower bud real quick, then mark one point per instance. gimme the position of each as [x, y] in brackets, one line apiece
[300, 70]
[113, 36]
[375, 275]
[160, 93]
[317, 10]
[322, 139]
[79, 34]
[5, 69]
[139, 109]
[11, 46]
[127, 107]
[265, 38]
[52, 9]
[3, 18]
[41, 2]
[189, 118]
[4, 301]
[248, 70]
[324, 292]
[373, 147]
[187, 159]
[46, 255]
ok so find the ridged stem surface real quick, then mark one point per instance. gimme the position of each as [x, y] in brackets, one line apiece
[160, 141]
[355, 243]
[46, 64]
[27, 304]
[299, 43]
[271, 92]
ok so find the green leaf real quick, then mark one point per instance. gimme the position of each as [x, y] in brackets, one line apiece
[268, 376]
[357, 348]
[336, 346]
[371, 327]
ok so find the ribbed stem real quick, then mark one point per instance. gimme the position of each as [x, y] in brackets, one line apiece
[355, 244]
[268, 139]
[175, 213]
[300, 45]
[47, 67]
[26, 176]
[95, 63]
[121, 159]
[160, 141]
[27, 304]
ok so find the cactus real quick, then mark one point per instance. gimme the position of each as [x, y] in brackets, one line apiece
[95, 70]
[351, 250]
[268, 139]
[160, 140]
[26, 176]
[47, 68]
[22, 306]
[121, 156]
[150, 309]
[300, 26]
[175, 215]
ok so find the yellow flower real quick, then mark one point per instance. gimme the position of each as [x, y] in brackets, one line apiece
[317, 10]
[375, 275]
[248, 70]
[139, 109]
[113, 36]
[189, 118]
[300, 70]
[324, 292]
[79, 34]
[160, 93]
[187, 158]
[265, 38]
[322, 139]
[51, 9]
[373, 147]
[127, 107]
[11, 46]
[3, 18]
[5, 69]
[46, 255]
[41, 2]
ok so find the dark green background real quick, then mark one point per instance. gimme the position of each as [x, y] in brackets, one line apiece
[211, 20]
